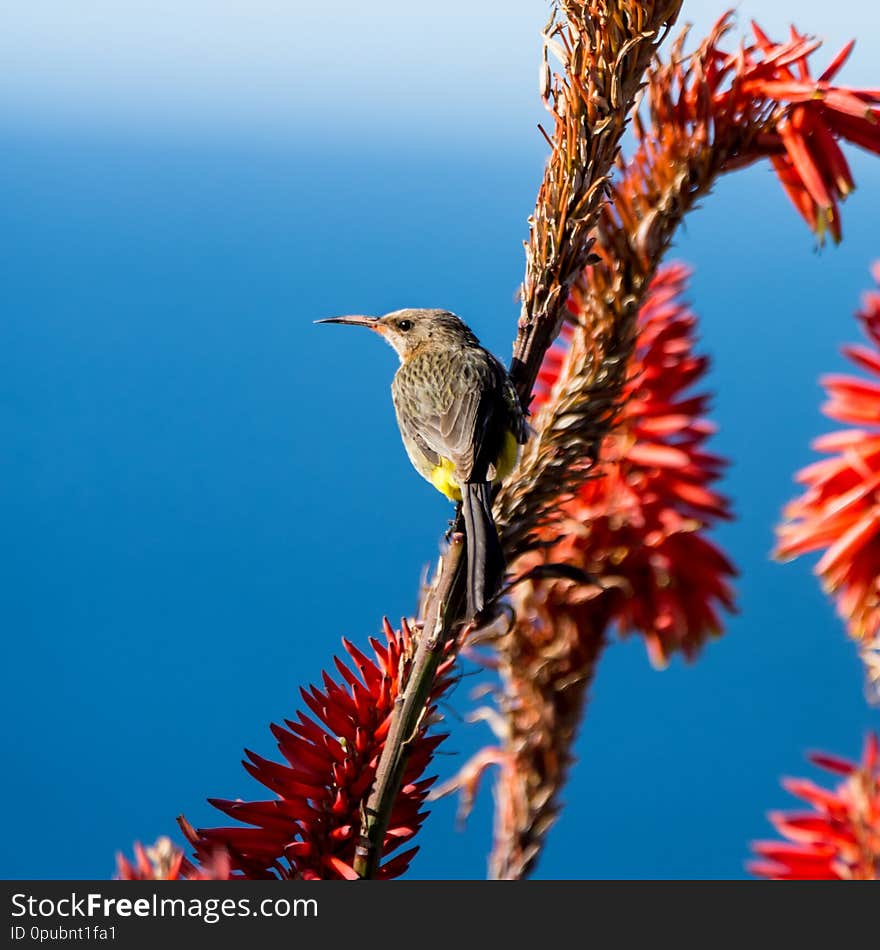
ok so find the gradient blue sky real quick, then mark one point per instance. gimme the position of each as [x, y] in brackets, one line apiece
[196, 482]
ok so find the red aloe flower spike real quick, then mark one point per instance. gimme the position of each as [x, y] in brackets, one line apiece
[637, 526]
[839, 839]
[311, 830]
[643, 514]
[839, 511]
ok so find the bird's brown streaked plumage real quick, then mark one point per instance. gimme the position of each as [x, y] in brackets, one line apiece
[461, 423]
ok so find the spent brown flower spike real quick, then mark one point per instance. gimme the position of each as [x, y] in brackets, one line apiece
[602, 48]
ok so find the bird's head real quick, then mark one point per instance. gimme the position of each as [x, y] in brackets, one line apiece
[410, 331]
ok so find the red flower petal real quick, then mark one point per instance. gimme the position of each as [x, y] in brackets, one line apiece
[641, 518]
[839, 510]
[311, 830]
[840, 838]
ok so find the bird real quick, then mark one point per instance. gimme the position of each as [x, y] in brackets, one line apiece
[461, 422]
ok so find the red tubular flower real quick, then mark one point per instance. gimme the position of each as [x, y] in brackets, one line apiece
[839, 839]
[639, 524]
[761, 100]
[804, 148]
[839, 512]
[311, 829]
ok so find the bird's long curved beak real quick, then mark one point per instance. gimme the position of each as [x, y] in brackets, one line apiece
[354, 320]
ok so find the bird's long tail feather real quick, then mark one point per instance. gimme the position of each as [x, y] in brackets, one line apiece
[485, 558]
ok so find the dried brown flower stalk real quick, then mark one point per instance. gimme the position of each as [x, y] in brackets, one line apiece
[709, 113]
[604, 47]
[680, 155]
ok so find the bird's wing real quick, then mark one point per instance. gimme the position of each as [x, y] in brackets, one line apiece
[457, 424]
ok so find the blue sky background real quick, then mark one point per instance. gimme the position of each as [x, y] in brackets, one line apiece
[196, 482]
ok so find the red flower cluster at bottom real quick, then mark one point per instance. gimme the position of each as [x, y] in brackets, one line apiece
[310, 831]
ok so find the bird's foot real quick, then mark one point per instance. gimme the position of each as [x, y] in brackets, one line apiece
[450, 530]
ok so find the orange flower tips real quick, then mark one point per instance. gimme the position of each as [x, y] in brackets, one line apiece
[762, 100]
[639, 524]
[839, 510]
[164, 861]
[814, 115]
[310, 829]
[838, 838]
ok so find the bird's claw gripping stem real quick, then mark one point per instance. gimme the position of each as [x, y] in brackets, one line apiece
[450, 530]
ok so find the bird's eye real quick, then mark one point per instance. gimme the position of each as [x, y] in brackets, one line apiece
[404, 325]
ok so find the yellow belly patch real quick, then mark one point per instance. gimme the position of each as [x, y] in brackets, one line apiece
[444, 480]
[443, 475]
